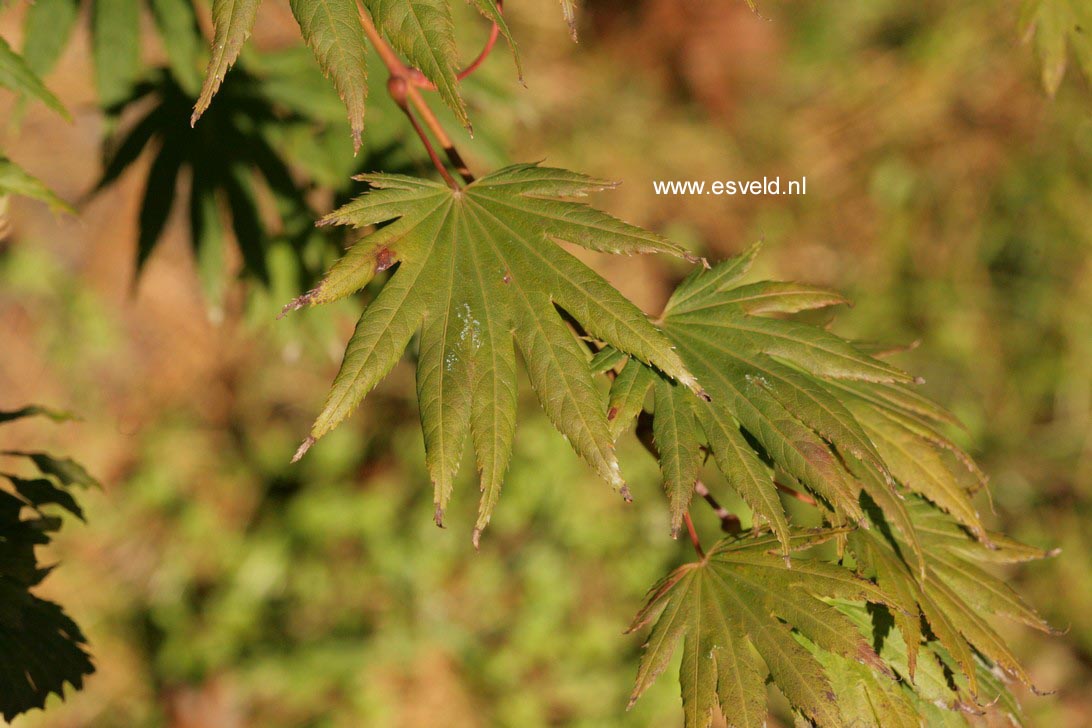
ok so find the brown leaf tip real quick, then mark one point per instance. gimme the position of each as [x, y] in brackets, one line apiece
[627, 496]
[476, 539]
[297, 303]
[696, 259]
[303, 448]
[438, 516]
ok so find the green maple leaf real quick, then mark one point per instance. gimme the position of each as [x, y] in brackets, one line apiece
[953, 592]
[477, 269]
[734, 613]
[772, 398]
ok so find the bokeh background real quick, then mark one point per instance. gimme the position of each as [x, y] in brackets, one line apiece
[221, 586]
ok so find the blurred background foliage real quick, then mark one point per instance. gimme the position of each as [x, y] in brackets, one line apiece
[219, 586]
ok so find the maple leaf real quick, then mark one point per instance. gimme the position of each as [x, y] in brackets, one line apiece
[734, 612]
[769, 382]
[952, 592]
[477, 270]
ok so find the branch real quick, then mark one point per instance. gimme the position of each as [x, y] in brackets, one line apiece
[729, 523]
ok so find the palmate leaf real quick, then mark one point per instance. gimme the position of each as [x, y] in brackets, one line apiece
[477, 268]
[954, 593]
[769, 382]
[734, 612]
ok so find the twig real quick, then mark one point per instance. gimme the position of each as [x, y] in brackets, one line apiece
[397, 88]
[802, 497]
[405, 94]
[693, 536]
[729, 523]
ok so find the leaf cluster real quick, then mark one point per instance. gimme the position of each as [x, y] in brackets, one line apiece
[794, 408]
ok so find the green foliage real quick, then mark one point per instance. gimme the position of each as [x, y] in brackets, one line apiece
[274, 116]
[331, 29]
[48, 26]
[116, 53]
[232, 21]
[735, 373]
[17, 76]
[735, 611]
[14, 180]
[476, 266]
[789, 401]
[422, 30]
[952, 592]
[772, 378]
[115, 33]
[41, 648]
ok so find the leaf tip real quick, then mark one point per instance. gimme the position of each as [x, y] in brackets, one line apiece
[476, 539]
[438, 516]
[303, 448]
[297, 303]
